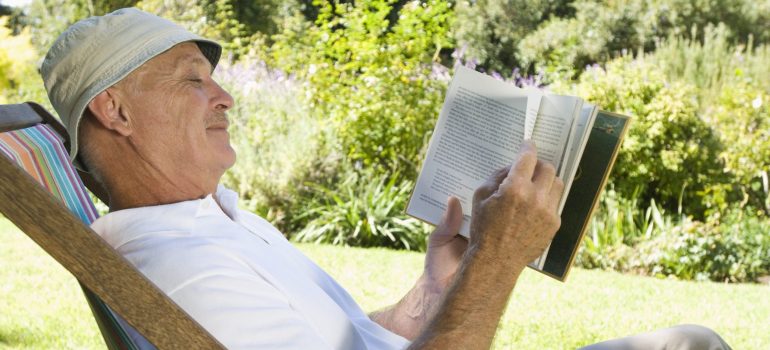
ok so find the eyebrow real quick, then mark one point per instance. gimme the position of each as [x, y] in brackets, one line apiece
[192, 59]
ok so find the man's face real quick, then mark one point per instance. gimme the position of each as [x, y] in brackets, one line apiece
[178, 116]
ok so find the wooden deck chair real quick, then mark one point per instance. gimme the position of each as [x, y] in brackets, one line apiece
[41, 193]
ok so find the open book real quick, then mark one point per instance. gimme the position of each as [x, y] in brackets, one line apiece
[481, 126]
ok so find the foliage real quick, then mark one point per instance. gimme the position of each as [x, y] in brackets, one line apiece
[261, 16]
[49, 18]
[490, 30]
[601, 30]
[365, 209]
[745, 18]
[19, 81]
[213, 19]
[562, 46]
[735, 248]
[741, 117]
[669, 153]
[234, 23]
[279, 144]
[713, 62]
[370, 77]
[617, 226]
[733, 101]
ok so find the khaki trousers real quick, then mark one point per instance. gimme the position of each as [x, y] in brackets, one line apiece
[683, 337]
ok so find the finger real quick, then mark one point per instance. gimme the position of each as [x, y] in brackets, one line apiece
[492, 183]
[524, 167]
[557, 190]
[450, 223]
[543, 176]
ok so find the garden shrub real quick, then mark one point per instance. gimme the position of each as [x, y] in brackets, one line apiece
[278, 142]
[669, 153]
[741, 118]
[619, 224]
[602, 30]
[599, 31]
[735, 250]
[49, 18]
[734, 102]
[369, 77]
[365, 209]
[19, 81]
[745, 18]
[489, 31]
[212, 19]
[713, 62]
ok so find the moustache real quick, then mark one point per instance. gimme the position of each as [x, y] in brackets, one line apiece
[217, 121]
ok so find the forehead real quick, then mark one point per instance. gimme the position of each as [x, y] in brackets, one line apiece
[179, 57]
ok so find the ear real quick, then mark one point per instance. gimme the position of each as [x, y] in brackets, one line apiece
[107, 111]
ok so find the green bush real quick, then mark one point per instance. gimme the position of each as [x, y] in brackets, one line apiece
[599, 31]
[669, 153]
[364, 209]
[602, 30]
[735, 250]
[745, 18]
[617, 226]
[734, 102]
[213, 19]
[19, 81]
[489, 31]
[278, 142]
[741, 118]
[370, 77]
[713, 62]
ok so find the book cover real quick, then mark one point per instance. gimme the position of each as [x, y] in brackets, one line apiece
[599, 156]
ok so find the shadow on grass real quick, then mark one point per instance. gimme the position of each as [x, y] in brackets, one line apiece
[12, 339]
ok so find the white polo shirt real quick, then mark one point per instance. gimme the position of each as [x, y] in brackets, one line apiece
[240, 278]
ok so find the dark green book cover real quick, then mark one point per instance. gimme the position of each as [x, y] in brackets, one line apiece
[594, 168]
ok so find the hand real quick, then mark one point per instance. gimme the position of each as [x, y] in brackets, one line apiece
[515, 212]
[445, 248]
[445, 251]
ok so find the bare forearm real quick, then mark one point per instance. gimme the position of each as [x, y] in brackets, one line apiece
[412, 313]
[470, 311]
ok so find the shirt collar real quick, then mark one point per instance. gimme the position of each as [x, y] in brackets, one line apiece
[117, 227]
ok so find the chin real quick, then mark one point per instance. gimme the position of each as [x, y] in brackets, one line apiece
[228, 158]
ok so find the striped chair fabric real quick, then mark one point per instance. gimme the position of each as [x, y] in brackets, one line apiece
[40, 152]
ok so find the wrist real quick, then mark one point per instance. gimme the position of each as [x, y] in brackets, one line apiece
[494, 260]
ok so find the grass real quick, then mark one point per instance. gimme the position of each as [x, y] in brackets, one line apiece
[41, 306]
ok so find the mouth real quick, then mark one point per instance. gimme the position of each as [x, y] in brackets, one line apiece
[218, 123]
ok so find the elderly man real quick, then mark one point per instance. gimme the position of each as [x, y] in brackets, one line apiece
[144, 115]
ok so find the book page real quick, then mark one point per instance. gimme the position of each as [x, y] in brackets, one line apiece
[479, 130]
[554, 127]
[533, 108]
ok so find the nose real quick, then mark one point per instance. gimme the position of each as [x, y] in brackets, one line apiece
[221, 99]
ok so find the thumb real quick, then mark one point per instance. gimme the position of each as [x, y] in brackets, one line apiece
[451, 221]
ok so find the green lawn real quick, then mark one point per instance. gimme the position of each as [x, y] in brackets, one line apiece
[41, 306]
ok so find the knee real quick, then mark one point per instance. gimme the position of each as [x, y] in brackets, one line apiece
[691, 336]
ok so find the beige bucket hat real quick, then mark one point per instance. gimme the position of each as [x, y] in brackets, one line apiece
[96, 53]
